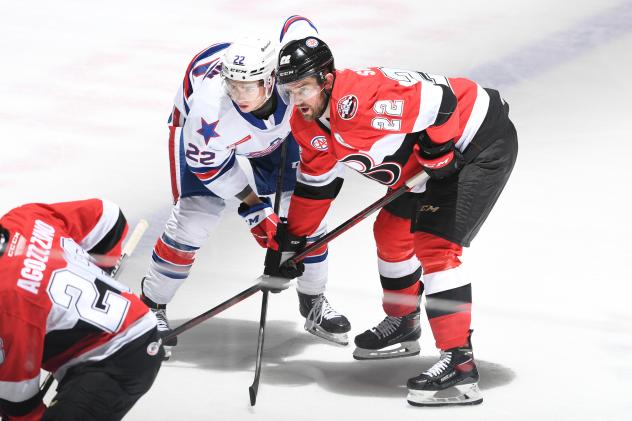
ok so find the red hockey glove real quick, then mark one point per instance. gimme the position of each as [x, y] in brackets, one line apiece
[440, 160]
[262, 222]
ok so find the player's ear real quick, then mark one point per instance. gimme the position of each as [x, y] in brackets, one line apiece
[329, 81]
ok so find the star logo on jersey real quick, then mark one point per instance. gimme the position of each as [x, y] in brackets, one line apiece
[207, 131]
[320, 143]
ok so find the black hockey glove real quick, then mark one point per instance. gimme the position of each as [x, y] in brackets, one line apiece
[277, 261]
[440, 160]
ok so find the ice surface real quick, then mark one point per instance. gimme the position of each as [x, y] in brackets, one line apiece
[86, 88]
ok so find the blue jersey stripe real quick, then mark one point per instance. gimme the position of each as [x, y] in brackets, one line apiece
[316, 259]
[176, 245]
[187, 87]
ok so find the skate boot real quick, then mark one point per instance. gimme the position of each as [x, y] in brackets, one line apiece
[322, 320]
[453, 380]
[393, 337]
[160, 311]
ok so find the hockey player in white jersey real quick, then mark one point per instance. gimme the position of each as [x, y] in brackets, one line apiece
[228, 106]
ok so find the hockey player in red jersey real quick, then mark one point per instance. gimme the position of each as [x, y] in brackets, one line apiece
[61, 312]
[390, 124]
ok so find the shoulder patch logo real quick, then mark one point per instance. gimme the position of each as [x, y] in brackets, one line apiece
[320, 143]
[347, 107]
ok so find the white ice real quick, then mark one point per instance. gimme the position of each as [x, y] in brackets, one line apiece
[85, 91]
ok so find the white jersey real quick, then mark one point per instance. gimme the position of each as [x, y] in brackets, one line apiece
[214, 131]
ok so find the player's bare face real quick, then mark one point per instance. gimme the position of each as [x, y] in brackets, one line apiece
[308, 97]
[249, 96]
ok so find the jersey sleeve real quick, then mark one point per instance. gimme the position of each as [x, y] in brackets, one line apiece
[97, 225]
[21, 349]
[374, 103]
[204, 65]
[296, 27]
[319, 179]
[216, 166]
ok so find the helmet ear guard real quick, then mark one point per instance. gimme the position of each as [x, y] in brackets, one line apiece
[302, 58]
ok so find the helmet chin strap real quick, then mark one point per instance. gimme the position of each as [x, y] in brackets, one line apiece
[327, 98]
[267, 108]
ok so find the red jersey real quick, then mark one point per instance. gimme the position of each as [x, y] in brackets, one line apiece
[376, 115]
[57, 308]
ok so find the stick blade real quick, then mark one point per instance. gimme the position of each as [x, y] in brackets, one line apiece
[253, 394]
[273, 283]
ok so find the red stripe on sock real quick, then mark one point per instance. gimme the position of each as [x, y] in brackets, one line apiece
[452, 330]
[172, 255]
[398, 303]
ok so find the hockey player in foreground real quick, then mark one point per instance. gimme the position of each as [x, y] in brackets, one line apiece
[390, 124]
[228, 106]
[61, 312]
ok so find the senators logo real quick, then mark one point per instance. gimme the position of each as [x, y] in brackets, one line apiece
[387, 173]
[320, 143]
[347, 107]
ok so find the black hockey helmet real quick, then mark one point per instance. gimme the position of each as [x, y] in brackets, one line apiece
[302, 58]
[4, 239]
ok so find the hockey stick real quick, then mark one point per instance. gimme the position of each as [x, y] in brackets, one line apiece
[274, 283]
[421, 177]
[126, 252]
[254, 387]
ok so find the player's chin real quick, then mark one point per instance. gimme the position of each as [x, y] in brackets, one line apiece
[246, 107]
[307, 113]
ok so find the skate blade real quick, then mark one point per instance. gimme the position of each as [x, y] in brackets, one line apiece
[463, 394]
[336, 338]
[400, 350]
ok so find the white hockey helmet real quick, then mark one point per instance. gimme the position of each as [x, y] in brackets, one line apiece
[249, 59]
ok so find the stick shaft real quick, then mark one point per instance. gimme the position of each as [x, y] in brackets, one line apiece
[363, 214]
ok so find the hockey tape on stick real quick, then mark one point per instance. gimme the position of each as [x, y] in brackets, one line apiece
[131, 244]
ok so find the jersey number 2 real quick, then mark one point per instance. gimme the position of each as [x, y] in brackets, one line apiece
[391, 108]
[75, 293]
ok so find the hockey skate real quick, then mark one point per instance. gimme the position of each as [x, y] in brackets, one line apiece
[393, 337]
[160, 311]
[453, 380]
[322, 320]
